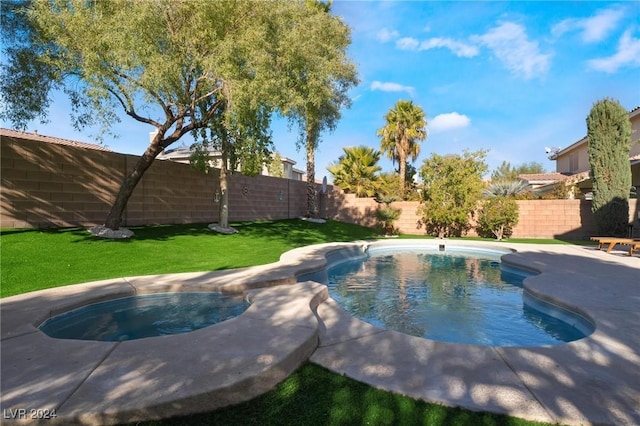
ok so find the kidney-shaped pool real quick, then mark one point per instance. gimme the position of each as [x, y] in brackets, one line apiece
[461, 295]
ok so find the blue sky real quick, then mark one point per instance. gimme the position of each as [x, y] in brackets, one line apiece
[509, 77]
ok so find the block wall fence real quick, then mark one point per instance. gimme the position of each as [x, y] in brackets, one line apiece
[52, 185]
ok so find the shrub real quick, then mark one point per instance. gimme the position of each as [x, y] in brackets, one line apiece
[452, 187]
[387, 215]
[497, 217]
[506, 188]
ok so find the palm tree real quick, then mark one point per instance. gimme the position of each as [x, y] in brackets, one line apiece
[357, 171]
[406, 125]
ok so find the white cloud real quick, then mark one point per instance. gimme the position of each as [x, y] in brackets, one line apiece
[458, 48]
[628, 54]
[448, 121]
[592, 29]
[407, 43]
[392, 87]
[510, 44]
[384, 35]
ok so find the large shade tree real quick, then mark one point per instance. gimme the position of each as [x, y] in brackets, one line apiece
[321, 75]
[179, 67]
[405, 128]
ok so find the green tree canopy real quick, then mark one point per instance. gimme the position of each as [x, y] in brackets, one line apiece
[609, 143]
[405, 127]
[356, 171]
[506, 172]
[177, 66]
[452, 186]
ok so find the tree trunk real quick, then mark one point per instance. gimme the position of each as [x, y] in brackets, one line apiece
[312, 207]
[403, 172]
[114, 218]
[223, 213]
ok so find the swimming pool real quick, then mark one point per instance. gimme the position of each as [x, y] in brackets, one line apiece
[459, 295]
[148, 315]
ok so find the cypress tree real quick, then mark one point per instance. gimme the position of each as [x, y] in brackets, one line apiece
[609, 142]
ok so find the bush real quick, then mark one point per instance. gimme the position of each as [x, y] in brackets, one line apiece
[497, 217]
[387, 215]
[452, 186]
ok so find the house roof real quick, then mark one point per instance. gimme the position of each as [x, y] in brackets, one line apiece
[632, 114]
[17, 134]
[184, 152]
[543, 177]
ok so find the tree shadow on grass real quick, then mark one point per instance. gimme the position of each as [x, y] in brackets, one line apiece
[299, 232]
[315, 396]
[294, 231]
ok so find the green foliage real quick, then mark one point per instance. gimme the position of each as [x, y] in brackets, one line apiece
[356, 171]
[275, 166]
[25, 77]
[497, 217]
[452, 187]
[405, 127]
[505, 171]
[506, 188]
[387, 215]
[319, 75]
[181, 67]
[532, 167]
[390, 182]
[609, 142]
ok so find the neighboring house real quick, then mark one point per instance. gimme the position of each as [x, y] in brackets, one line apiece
[17, 135]
[541, 180]
[183, 153]
[573, 161]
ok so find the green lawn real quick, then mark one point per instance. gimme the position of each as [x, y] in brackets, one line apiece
[315, 396]
[37, 259]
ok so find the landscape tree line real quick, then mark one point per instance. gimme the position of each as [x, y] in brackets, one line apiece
[220, 70]
[452, 187]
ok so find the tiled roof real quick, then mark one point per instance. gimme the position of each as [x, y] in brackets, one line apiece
[17, 134]
[542, 176]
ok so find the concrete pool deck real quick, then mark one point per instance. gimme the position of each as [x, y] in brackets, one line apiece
[595, 380]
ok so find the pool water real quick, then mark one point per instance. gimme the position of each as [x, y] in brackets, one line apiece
[148, 315]
[457, 297]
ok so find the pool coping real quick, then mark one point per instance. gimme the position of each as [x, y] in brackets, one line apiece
[593, 380]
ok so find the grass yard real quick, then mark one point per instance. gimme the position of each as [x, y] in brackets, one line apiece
[315, 396]
[37, 259]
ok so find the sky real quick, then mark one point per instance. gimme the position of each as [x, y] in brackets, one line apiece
[508, 77]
